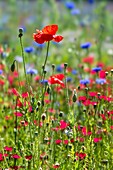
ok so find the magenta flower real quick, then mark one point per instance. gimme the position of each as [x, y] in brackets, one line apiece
[96, 140]
[58, 141]
[6, 148]
[15, 156]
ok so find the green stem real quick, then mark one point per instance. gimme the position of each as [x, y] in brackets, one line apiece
[46, 56]
[23, 60]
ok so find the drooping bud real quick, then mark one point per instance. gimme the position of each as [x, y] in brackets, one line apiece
[13, 66]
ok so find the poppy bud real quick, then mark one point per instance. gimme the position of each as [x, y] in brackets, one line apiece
[13, 66]
[21, 30]
[98, 94]
[61, 114]
[111, 71]
[36, 133]
[53, 66]
[74, 96]
[95, 105]
[78, 87]
[38, 103]
[43, 116]
[106, 73]
[37, 109]
[65, 65]
[32, 100]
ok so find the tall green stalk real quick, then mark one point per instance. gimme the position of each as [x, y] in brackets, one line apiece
[21, 44]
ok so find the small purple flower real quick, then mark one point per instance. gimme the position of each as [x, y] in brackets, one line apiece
[74, 72]
[70, 5]
[68, 79]
[100, 81]
[84, 81]
[1, 71]
[19, 59]
[31, 71]
[85, 45]
[97, 69]
[44, 81]
[28, 49]
[59, 68]
[75, 12]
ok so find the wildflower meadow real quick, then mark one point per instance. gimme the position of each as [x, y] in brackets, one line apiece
[56, 85]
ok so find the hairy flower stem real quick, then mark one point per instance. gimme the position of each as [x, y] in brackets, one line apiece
[45, 59]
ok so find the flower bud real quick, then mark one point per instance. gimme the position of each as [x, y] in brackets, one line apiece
[13, 66]
[43, 116]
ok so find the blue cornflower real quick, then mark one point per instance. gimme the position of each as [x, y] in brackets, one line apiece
[90, 1]
[75, 12]
[85, 45]
[59, 68]
[44, 81]
[100, 81]
[74, 72]
[70, 5]
[31, 71]
[97, 69]
[1, 71]
[28, 49]
[68, 79]
[38, 45]
[84, 81]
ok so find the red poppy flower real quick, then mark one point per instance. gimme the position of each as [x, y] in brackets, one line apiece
[89, 59]
[47, 34]
[57, 79]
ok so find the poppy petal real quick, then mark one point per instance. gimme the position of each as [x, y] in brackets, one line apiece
[57, 38]
[38, 38]
[50, 29]
[47, 37]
